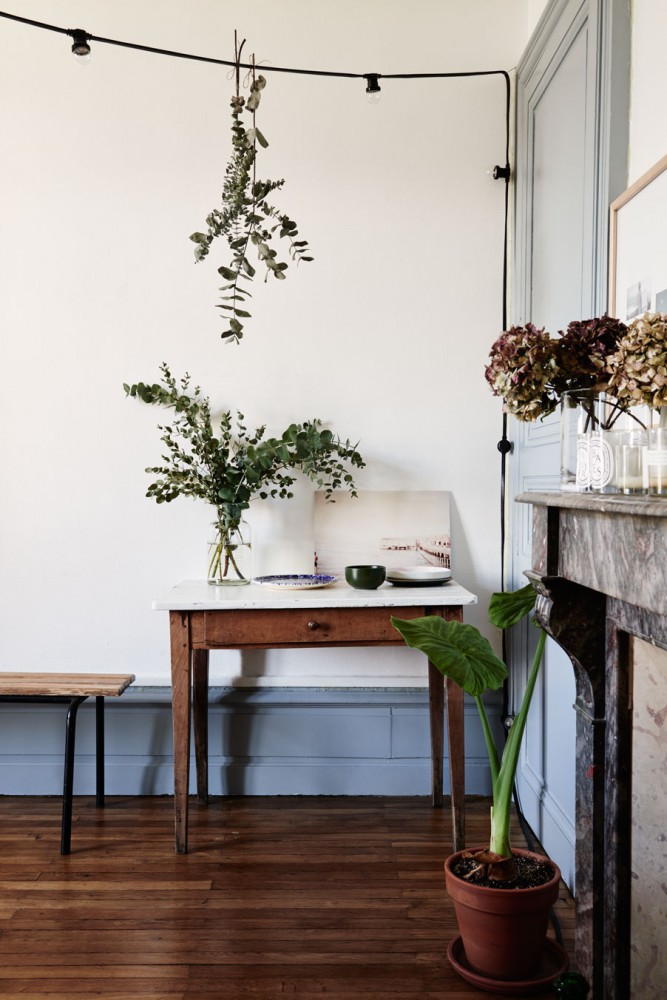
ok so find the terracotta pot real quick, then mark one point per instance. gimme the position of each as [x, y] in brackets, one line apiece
[503, 930]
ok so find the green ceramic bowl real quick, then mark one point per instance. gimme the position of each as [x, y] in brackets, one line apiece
[365, 577]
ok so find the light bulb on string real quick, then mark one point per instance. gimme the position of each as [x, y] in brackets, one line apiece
[80, 46]
[373, 89]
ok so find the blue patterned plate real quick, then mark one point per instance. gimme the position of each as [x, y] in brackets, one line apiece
[301, 581]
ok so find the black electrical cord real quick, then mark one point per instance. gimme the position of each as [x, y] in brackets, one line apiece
[499, 173]
[505, 448]
[372, 79]
[271, 69]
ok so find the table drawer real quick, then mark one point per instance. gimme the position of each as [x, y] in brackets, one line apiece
[295, 627]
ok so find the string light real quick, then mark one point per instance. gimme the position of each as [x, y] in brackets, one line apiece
[80, 46]
[372, 79]
[373, 88]
[373, 93]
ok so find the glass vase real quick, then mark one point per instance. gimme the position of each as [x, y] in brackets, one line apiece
[607, 424]
[656, 453]
[618, 447]
[577, 421]
[229, 551]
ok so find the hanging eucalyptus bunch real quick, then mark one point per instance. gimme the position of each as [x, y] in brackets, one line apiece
[246, 218]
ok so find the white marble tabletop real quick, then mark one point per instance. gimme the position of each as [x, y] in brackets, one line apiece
[199, 595]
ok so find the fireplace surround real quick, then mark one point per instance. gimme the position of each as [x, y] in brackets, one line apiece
[599, 565]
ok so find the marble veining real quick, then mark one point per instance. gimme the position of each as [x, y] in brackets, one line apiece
[600, 569]
[644, 506]
[648, 961]
[585, 541]
[624, 557]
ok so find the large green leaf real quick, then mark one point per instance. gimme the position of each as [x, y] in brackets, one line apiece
[507, 609]
[458, 651]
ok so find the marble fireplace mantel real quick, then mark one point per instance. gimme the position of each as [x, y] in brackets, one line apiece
[599, 564]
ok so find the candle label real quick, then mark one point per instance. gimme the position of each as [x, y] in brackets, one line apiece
[583, 463]
[601, 459]
[654, 457]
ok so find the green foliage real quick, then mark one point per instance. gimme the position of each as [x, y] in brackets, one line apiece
[246, 217]
[228, 466]
[458, 651]
[509, 607]
[462, 653]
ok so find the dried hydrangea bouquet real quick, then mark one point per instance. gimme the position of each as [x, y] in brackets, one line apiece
[610, 381]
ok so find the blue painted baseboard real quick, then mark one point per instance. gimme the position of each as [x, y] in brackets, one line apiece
[265, 741]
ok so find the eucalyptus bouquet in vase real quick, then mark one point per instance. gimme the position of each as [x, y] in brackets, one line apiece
[226, 465]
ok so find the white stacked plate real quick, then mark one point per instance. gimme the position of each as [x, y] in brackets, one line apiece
[419, 576]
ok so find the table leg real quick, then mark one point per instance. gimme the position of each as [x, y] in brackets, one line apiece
[99, 750]
[179, 627]
[200, 720]
[455, 743]
[436, 709]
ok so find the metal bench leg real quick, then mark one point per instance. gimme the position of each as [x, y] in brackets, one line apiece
[99, 750]
[68, 784]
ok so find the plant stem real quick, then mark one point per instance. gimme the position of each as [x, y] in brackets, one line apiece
[218, 569]
[494, 763]
[504, 783]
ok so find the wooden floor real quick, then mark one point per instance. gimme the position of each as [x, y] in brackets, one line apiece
[277, 897]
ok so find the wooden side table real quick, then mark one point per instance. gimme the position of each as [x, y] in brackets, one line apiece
[203, 617]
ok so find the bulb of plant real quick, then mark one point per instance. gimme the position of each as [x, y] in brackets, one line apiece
[227, 466]
[461, 652]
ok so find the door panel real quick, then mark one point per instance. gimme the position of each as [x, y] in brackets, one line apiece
[565, 157]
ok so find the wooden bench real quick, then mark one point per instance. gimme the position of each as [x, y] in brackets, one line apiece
[74, 689]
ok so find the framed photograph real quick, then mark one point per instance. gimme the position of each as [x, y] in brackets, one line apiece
[395, 528]
[638, 248]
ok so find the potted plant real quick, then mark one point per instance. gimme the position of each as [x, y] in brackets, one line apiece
[227, 466]
[502, 896]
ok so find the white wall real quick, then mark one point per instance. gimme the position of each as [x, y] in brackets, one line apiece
[648, 109]
[535, 10]
[105, 173]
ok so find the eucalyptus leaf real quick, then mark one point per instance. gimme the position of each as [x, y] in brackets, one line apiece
[227, 273]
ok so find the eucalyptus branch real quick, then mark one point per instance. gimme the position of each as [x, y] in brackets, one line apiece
[228, 465]
[246, 217]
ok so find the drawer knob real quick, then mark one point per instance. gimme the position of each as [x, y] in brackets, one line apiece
[313, 625]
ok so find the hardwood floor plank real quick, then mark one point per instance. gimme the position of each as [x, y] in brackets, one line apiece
[278, 896]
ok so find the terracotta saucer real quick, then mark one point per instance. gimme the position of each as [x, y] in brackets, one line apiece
[554, 961]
